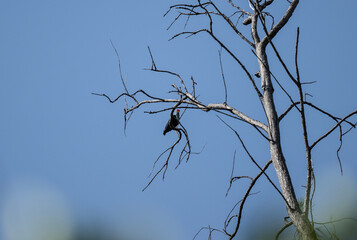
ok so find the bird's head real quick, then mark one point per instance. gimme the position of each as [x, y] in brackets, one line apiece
[178, 113]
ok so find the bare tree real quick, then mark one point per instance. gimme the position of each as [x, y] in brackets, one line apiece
[263, 29]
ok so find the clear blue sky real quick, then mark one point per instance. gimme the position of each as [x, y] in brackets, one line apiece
[65, 161]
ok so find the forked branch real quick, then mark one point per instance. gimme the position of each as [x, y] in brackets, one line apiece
[185, 100]
[185, 154]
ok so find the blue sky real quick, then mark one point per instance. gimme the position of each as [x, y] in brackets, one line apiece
[65, 148]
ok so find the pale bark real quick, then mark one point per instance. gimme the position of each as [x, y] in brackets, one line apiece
[298, 218]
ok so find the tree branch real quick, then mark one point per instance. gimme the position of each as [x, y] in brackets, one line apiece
[223, 78]
[316, 108]
[283, 229]
[253, 160]
[232, 25]
[289, 12]
[332, 129]
[304, 130]
[210, 32]
[246, 195]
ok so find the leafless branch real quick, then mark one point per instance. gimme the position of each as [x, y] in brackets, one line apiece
[185, 6]
[232, 25]
[281, 117]
[210, 32]
[224, 80]
[316, 108]
[176, 18]
[124, 84]
[189, 33]
[154, 69]
[308, 82]
[153, 65]
[269, 40]
[272, 18]
[221, 106]
[332, 129]
[296, 61]
[339, 148]
[338, 121]
[252, 159]
[229, 218]
[247, 194]
[210, 231]
[241, 64]
[239, 8]
[186, 150]
[337, 220]
[304, 130]
[187, 99]
[119, 66]
[240, 119]
[352, 126]
[230, 181]
[185, 153]
[169, 109]
[165, 165]
[289, 12]
[283, 229]
[266, 4]
[141, 97]
[233, 179]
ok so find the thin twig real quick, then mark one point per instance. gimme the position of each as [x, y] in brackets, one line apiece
[119, 66]
[282, 230]
[224, 80]
[239, 216]
[332, 129]
[230, 181]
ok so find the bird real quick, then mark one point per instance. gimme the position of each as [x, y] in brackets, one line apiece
[173, 122]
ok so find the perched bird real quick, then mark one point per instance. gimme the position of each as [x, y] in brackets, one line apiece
[173, 122]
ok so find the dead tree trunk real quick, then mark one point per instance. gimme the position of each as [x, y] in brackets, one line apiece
[299, 219]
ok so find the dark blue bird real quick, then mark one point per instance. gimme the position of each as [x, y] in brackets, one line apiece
[173, 122]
